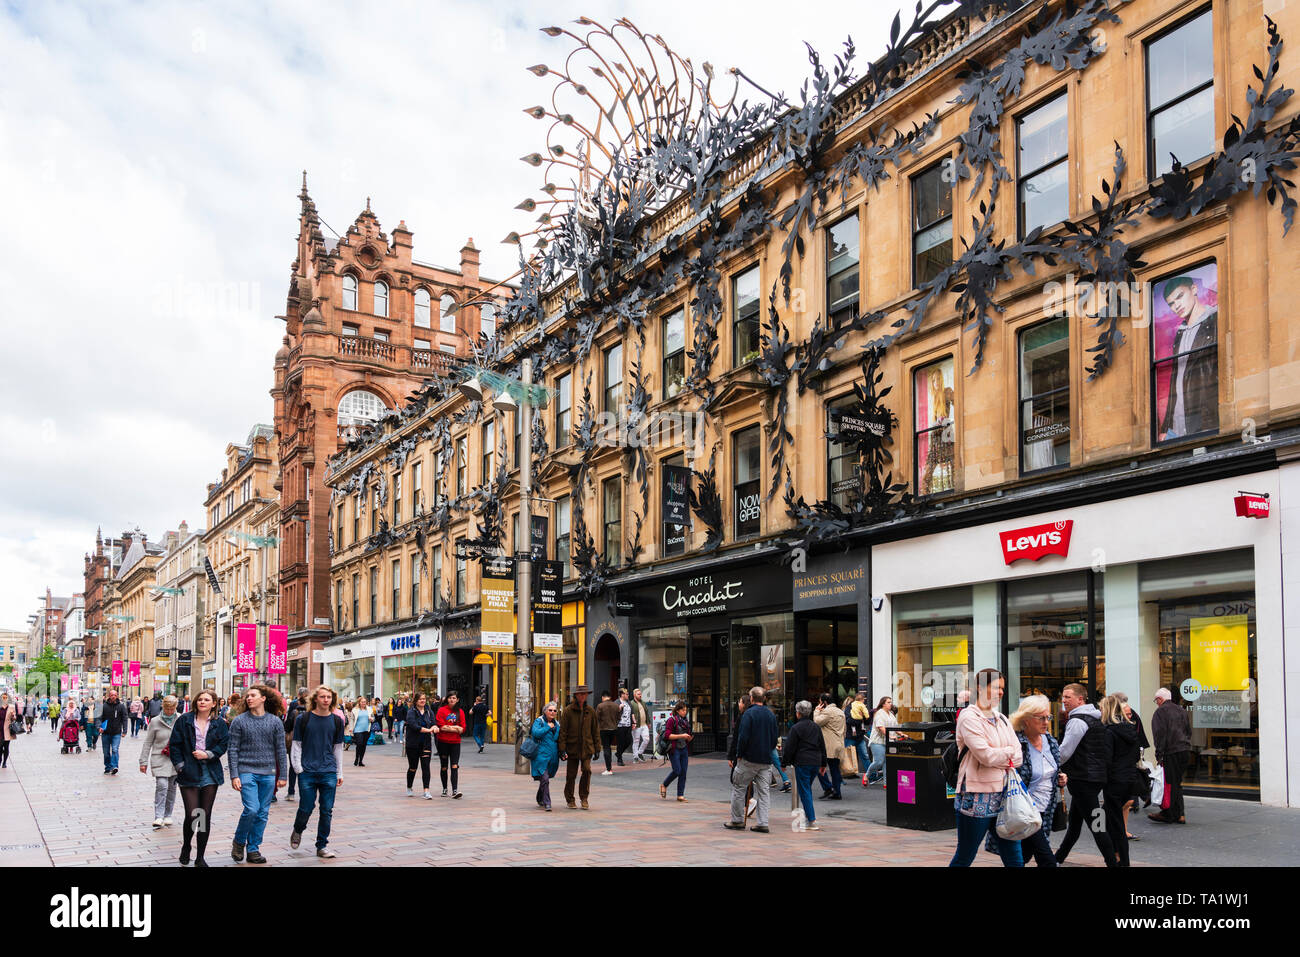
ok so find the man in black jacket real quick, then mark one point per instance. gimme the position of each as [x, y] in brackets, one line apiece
[755, 737]
[1173, 734]
[153, 708]
[1085, 756]
[115, 720]
[805, 749]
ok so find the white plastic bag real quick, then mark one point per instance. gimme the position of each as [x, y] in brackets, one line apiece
[1018, 818]
[1157, 784]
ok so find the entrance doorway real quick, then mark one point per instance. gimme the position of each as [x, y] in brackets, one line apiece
[605, 667]
[709, 670]
[830, 657]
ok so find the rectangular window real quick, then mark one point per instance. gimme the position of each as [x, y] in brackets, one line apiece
[356, 601]
[245, 490]
[563, 409]
[612, 493]
[747, 474]
[1045, 396]
[563, 517]
[745, 300]
[1043, 184]
[435, 577]
[397, 498]
[338, 605]
[674, 350]
[397, 587]
[931, 224]
[374, 594]
[489, 448]
[933, 440]
[842, 458]
[614, 378]
[417, 488]
[674, 534]
[440, 478]
[462, 580]
[1185, 348]
[356, 518]
[381, 335]
[515, 440]
[349, 329]
[842, 261]
[415, 583]
[462, 465]
[423, 345]
[1180, 95]
[338, 538]
[230, 503]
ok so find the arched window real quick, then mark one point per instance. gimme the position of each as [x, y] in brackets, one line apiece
[423, 317]
[381, 299]
[488, 322]
[360, 407]
[448, 322]
[350, 292]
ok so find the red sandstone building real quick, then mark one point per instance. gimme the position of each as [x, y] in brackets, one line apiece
[365, 325]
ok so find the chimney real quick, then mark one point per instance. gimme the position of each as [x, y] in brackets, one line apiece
[469, 263]
[184, 530]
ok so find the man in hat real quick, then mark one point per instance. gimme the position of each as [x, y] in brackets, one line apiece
[578, 742]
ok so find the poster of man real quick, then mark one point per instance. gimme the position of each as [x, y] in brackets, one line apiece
[1185, 344]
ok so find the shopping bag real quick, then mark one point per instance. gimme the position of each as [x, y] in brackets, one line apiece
[849, 763]
[1018, 818]
[1158, 786]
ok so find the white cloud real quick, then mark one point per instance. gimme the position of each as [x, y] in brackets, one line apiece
[151, 155]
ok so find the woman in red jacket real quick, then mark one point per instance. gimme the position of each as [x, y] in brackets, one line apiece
[450, 722]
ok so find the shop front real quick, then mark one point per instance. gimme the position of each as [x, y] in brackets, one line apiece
[1119, 596]
[350, 667]
[703, 638]
[555, 674]
[408, 662]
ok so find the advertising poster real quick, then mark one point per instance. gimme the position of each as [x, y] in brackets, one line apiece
[116, 679]
[162, 663]
[772, 658]
[183, 658]
[277, 649]
[63, 682]
[133, 674]
[679, 678]
[951, 650]
[246, 648]
[1184, 332]
[1220, 660]
[498, 604]
[74, 682]
[548, 636]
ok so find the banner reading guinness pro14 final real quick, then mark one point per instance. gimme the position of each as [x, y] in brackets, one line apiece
[498, 610]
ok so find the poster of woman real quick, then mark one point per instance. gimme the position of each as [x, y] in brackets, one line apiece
[1185, 346]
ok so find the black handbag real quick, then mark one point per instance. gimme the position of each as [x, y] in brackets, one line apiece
[16, 727]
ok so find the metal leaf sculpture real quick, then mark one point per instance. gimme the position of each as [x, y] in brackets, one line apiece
[774, 352]
[706, 503]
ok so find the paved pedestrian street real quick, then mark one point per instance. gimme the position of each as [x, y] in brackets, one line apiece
[62, 810]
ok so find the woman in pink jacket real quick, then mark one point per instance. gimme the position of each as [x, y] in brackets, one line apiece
[988, 749]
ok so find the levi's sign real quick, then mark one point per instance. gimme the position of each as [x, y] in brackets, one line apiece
[1036, 541]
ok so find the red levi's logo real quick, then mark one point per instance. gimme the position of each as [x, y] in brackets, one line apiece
[1035, 542]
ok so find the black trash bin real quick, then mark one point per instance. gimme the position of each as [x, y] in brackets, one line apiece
[917, 795]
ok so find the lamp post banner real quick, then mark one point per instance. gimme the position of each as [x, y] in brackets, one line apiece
[277, 649]
[246, 649]
[117, 673]
[497, 630]
[133, 674]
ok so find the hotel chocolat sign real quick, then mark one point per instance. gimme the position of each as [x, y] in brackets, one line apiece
[839, 579]
[703, 595]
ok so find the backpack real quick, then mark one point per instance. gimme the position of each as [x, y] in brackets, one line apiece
[664, 744]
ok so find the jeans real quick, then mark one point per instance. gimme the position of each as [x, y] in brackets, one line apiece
[640, 740]
[832, 781]
[876, 770]
[680, 758]
[480, 734]
[741, 776]
[804, 778]
[1085, 810]
[111, 744]
[776, 763]
[256, 790]
[310, 785]
[164, 796]
[864, 754]
[401, 730]
[92, 736]
[1038, 846]
[970, 837]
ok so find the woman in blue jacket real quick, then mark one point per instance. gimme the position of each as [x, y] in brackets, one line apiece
[419, 742]
[546, 732]
[198, 740]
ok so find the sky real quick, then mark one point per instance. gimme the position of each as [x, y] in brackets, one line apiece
[151, 156]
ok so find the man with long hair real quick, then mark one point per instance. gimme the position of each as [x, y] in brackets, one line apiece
[317, 758]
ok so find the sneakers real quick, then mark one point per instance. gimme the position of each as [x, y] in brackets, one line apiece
[295, 839]
[255, 857]
[325, 852]
[457, 795]
[167, 822]
[429, 797]
[785, 788]
[444, 792]
[114, 771]
[410, 792]
[603, 773]
[814, 826]
[237, 851]
[157, 823]
[681, 798]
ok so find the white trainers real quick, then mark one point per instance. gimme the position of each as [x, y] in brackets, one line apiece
[410, 792]
[157, 823]
[603, 773]
[167, 822]
[428, 796]
[325, 852]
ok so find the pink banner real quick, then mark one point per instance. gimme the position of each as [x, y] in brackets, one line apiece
[74, 682]
[116, 680]
[133, 674]
[245, 649]
[277, 649]
[63, 682]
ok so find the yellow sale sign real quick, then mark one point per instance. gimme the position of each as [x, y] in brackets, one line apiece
[1220, 652]
[950, 650]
